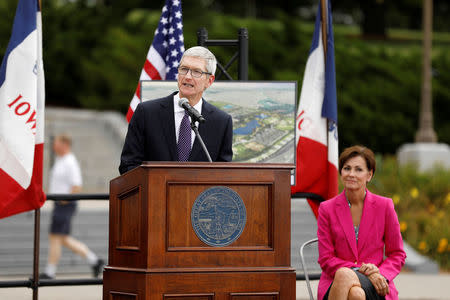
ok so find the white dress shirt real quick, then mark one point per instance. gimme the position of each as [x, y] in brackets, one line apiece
[179, 114]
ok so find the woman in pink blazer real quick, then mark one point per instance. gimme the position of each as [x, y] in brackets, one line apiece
[360, 245]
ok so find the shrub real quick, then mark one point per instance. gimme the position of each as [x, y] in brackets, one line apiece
[422, 202]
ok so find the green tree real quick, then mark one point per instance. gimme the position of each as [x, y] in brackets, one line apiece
[70, 33]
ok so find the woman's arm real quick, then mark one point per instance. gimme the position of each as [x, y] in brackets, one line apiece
[327, 259]
[395, 255]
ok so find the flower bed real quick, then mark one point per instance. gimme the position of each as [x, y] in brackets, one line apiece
[422, 202]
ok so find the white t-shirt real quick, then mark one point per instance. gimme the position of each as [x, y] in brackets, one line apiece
[64, 175]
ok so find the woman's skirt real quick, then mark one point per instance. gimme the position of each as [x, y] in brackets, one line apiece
[366, 285]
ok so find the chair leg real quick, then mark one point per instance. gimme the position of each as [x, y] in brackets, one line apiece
[305, 271]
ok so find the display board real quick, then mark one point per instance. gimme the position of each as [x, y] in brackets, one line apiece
[263, 115]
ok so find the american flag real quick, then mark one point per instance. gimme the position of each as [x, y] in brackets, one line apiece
[165, 52]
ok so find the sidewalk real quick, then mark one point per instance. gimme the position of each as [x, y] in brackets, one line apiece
[411, 287]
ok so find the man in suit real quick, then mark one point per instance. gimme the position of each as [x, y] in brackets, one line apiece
[160, 129]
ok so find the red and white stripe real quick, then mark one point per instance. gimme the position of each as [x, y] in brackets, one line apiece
[154, 69]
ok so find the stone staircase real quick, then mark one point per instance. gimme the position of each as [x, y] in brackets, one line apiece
[97, 143]
[17, 234]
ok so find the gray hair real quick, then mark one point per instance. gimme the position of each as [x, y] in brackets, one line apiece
[202, 52]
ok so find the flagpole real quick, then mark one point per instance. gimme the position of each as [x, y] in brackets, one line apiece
[324, 9]
[37, 238]
[37, 227]
[324, 17]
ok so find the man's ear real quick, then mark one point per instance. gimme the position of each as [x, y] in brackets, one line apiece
[210, 81]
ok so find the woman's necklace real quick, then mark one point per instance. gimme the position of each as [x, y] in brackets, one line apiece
[350, 206]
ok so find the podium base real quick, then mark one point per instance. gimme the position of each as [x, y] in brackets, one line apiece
[128, 285]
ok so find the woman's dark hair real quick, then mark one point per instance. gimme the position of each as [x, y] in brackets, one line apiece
[358, 150]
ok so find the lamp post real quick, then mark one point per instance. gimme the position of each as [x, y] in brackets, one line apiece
[426, 133]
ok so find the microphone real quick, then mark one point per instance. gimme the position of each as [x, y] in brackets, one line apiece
[184, 103]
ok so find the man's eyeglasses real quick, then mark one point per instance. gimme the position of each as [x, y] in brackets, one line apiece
[194, 73]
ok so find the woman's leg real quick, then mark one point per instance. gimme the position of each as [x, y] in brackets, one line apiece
[356, 293]
[344, 281]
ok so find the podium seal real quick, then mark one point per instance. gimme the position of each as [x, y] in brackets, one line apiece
[218, 216]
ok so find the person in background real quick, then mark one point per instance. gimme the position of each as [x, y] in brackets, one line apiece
[65, 178]
[360, 244]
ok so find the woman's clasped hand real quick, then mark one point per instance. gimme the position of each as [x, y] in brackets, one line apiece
[379, 282]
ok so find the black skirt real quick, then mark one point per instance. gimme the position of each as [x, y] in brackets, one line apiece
[366, 285]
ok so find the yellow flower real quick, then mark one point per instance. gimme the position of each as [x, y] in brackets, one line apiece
[442, 245]
[403, 226]
[414, 193]
[423, 245]
[447, 199]
[396, 199]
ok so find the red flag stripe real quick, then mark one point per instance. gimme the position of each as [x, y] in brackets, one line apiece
[151, 70]
[129, 114]
[138, 91]
[14, 198]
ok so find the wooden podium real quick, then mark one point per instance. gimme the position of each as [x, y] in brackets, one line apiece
[155, 253]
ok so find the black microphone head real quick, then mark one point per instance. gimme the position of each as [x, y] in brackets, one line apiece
[182, 101]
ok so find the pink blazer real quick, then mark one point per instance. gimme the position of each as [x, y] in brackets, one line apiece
[379, 230]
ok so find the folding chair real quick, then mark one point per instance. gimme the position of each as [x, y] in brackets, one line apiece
[305, 271]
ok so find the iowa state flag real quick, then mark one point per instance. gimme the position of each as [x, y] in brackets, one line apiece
[22, 114]
[316, 124]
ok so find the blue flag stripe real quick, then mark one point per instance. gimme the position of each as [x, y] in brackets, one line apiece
[316, 35]
[169, 42]
[24, 24]
[329, 107]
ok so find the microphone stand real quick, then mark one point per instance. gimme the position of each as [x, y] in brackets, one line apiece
[197, 134]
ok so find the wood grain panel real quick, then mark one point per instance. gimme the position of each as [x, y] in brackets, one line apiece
[254, 296]
[241, 285]
[257, 232]
[128, 223]
[122, 296]
[124, 286]
[189, 296]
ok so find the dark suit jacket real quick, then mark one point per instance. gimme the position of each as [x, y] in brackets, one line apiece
[151, 135]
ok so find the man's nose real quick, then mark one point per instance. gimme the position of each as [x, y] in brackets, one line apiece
[189, 74]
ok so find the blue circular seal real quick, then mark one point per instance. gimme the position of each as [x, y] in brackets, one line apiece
[218, 216]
